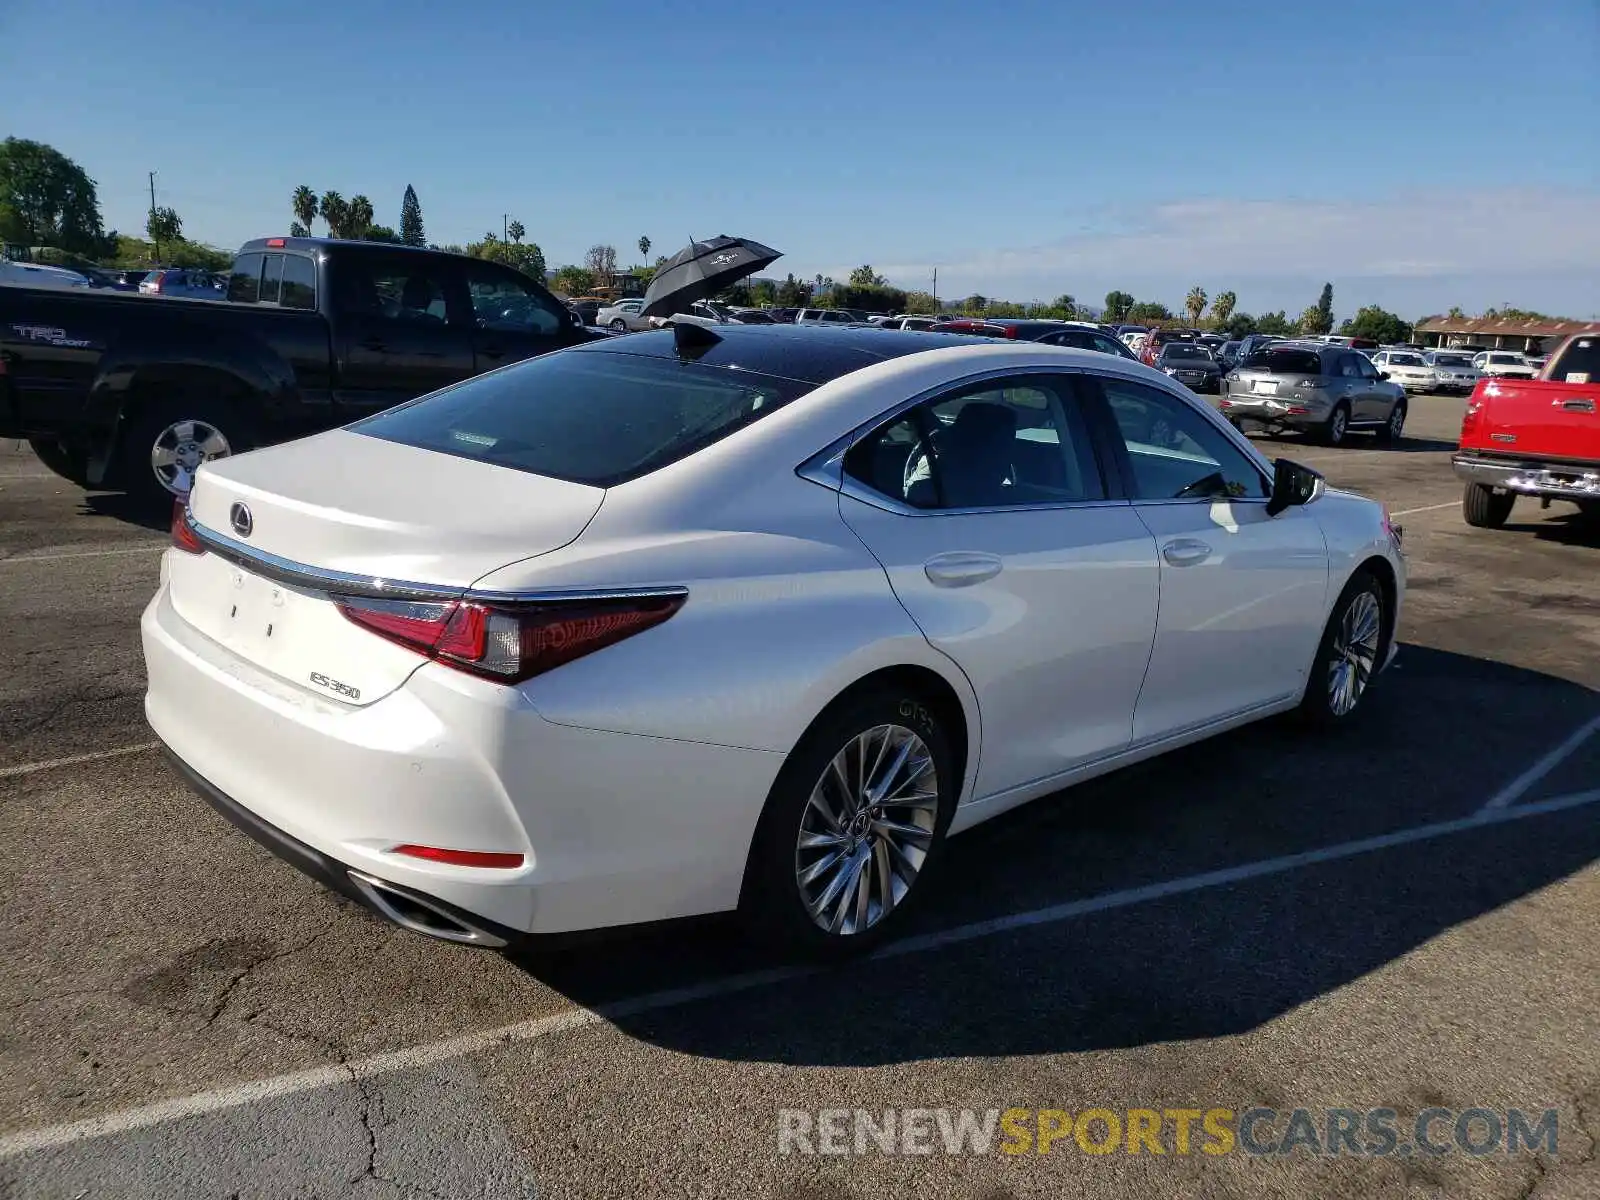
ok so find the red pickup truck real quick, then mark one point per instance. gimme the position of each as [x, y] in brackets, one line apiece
[1534, 437]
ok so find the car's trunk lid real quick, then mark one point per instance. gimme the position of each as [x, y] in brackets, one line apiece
[346, 513]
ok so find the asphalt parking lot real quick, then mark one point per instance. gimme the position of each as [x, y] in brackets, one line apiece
[1405, 916]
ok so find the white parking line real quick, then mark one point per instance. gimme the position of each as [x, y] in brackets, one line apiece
[145, 548]
[1514, 790]
[50, 764]
[1406, 512]
[428, 1054]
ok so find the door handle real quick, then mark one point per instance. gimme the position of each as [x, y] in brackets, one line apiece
[961, 568]
[1186, 552]
[1581, 404]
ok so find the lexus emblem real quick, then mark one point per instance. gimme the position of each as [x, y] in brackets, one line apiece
[241, 520]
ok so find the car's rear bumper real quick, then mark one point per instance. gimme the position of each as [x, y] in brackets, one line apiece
[1554, 479]
[615, 829]
[1285, 413]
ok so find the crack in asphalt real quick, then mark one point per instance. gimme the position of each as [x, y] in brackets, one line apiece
[221, 1001]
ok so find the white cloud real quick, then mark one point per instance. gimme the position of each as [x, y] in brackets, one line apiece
[1476, 242]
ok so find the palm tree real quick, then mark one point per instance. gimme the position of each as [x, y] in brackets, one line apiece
[1196, 303]
[336, 212]
[515, 231]
[644, 248]
[1222, 307]
[361, 216]
[305, 206]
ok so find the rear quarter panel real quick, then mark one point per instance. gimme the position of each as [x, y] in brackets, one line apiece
[1540, 418]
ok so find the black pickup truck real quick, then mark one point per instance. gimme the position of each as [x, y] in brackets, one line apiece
[118, 390]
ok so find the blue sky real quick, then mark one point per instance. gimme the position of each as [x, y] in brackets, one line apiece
[1416, 156]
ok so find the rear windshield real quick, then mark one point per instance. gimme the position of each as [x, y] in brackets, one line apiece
[1406, 360]
[1282, 360]
[1451, 360]
[593, 417]
[1580, 363]
[1185, 350]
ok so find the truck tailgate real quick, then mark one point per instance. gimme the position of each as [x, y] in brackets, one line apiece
[1534, 418]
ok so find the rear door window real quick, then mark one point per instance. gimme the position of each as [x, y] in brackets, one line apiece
[299, 282]
[589, 417]
[271, 276]
[409, 289]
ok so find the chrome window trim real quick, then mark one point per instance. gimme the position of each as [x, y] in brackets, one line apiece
[344, 583]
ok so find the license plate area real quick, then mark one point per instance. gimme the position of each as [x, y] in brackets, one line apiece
[1264, 387]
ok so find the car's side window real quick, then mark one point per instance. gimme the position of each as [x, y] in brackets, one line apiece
[502, 303]
[997, 444]
[1106, 346]
[1175, 452]
[411, 290]
[244, 283]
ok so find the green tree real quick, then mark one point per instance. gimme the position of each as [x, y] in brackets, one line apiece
[515, 231]
[361, 217]
[792, 293]
[380, 233]
[1065, 306]
[304, 203]
[1378, 324]
[1222, 308]
[1319, 317]
[1195, 303]
[164, 225]
[866, 277]
[763, 292]
[975, 304]
[1277, 324]
[1508, 312]
[1117, 306]
[573, 281]
[1455, 313]
[411, 219]
[47, 199]
[526, 257]
[644, 248]
[1146, 311]
[922, 303]
[335, 210]
[1238, 325]
[876, 298]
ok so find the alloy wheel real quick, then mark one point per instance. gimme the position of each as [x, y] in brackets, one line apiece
[180, 448]
[1336, 425]
[1354, 653]
[866, 829]
[1397, 421]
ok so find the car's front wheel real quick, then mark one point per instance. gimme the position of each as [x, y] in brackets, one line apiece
[1349, 655]
[852, 827]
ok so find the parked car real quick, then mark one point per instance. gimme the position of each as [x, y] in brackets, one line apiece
[1156, 340]
[587, 308]
[784, 316]
[621, 317]
[37, 275]
[1228, 355]
[823, 316]
[1452, 371]
[1524, 437]
[117, 391]
[1503, 364]
[1190, 364]
[576, 645]
[1407, 368]
[1313, 387]
[180, 283]
[912, 322]
[752, 316]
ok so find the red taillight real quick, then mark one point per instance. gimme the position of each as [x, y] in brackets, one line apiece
[275, 243]
[1011, 332]
[462, 858]
[183, 535]
[512, 643]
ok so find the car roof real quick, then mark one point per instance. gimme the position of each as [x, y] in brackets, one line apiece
[809, 355]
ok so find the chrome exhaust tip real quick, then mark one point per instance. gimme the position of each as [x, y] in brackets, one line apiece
[417, 913]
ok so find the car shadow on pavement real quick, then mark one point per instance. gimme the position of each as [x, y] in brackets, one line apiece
[1570, 528]
[121, 507]
[1441, 735]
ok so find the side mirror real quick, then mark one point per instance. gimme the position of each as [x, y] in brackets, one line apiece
[1292, 485]
[1383, 374]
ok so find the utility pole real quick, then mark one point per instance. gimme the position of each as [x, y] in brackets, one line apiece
[936, 291]
[153, 212]
[505, 227]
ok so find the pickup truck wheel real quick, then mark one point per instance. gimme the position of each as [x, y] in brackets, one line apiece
[1394, 428]
[71, 465]
[166, 444]
[1484, 507]
[1333, 433]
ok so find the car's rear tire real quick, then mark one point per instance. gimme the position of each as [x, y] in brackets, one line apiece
[618, 325]
[852, 827]
[1485, 508]
[169, 439]
[1392, 430]
[1337, 427]
[1349, 655]
[72, 465]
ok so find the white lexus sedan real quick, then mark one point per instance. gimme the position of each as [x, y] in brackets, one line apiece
[747, 618]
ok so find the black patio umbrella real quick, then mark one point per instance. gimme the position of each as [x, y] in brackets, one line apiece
[701, 270]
